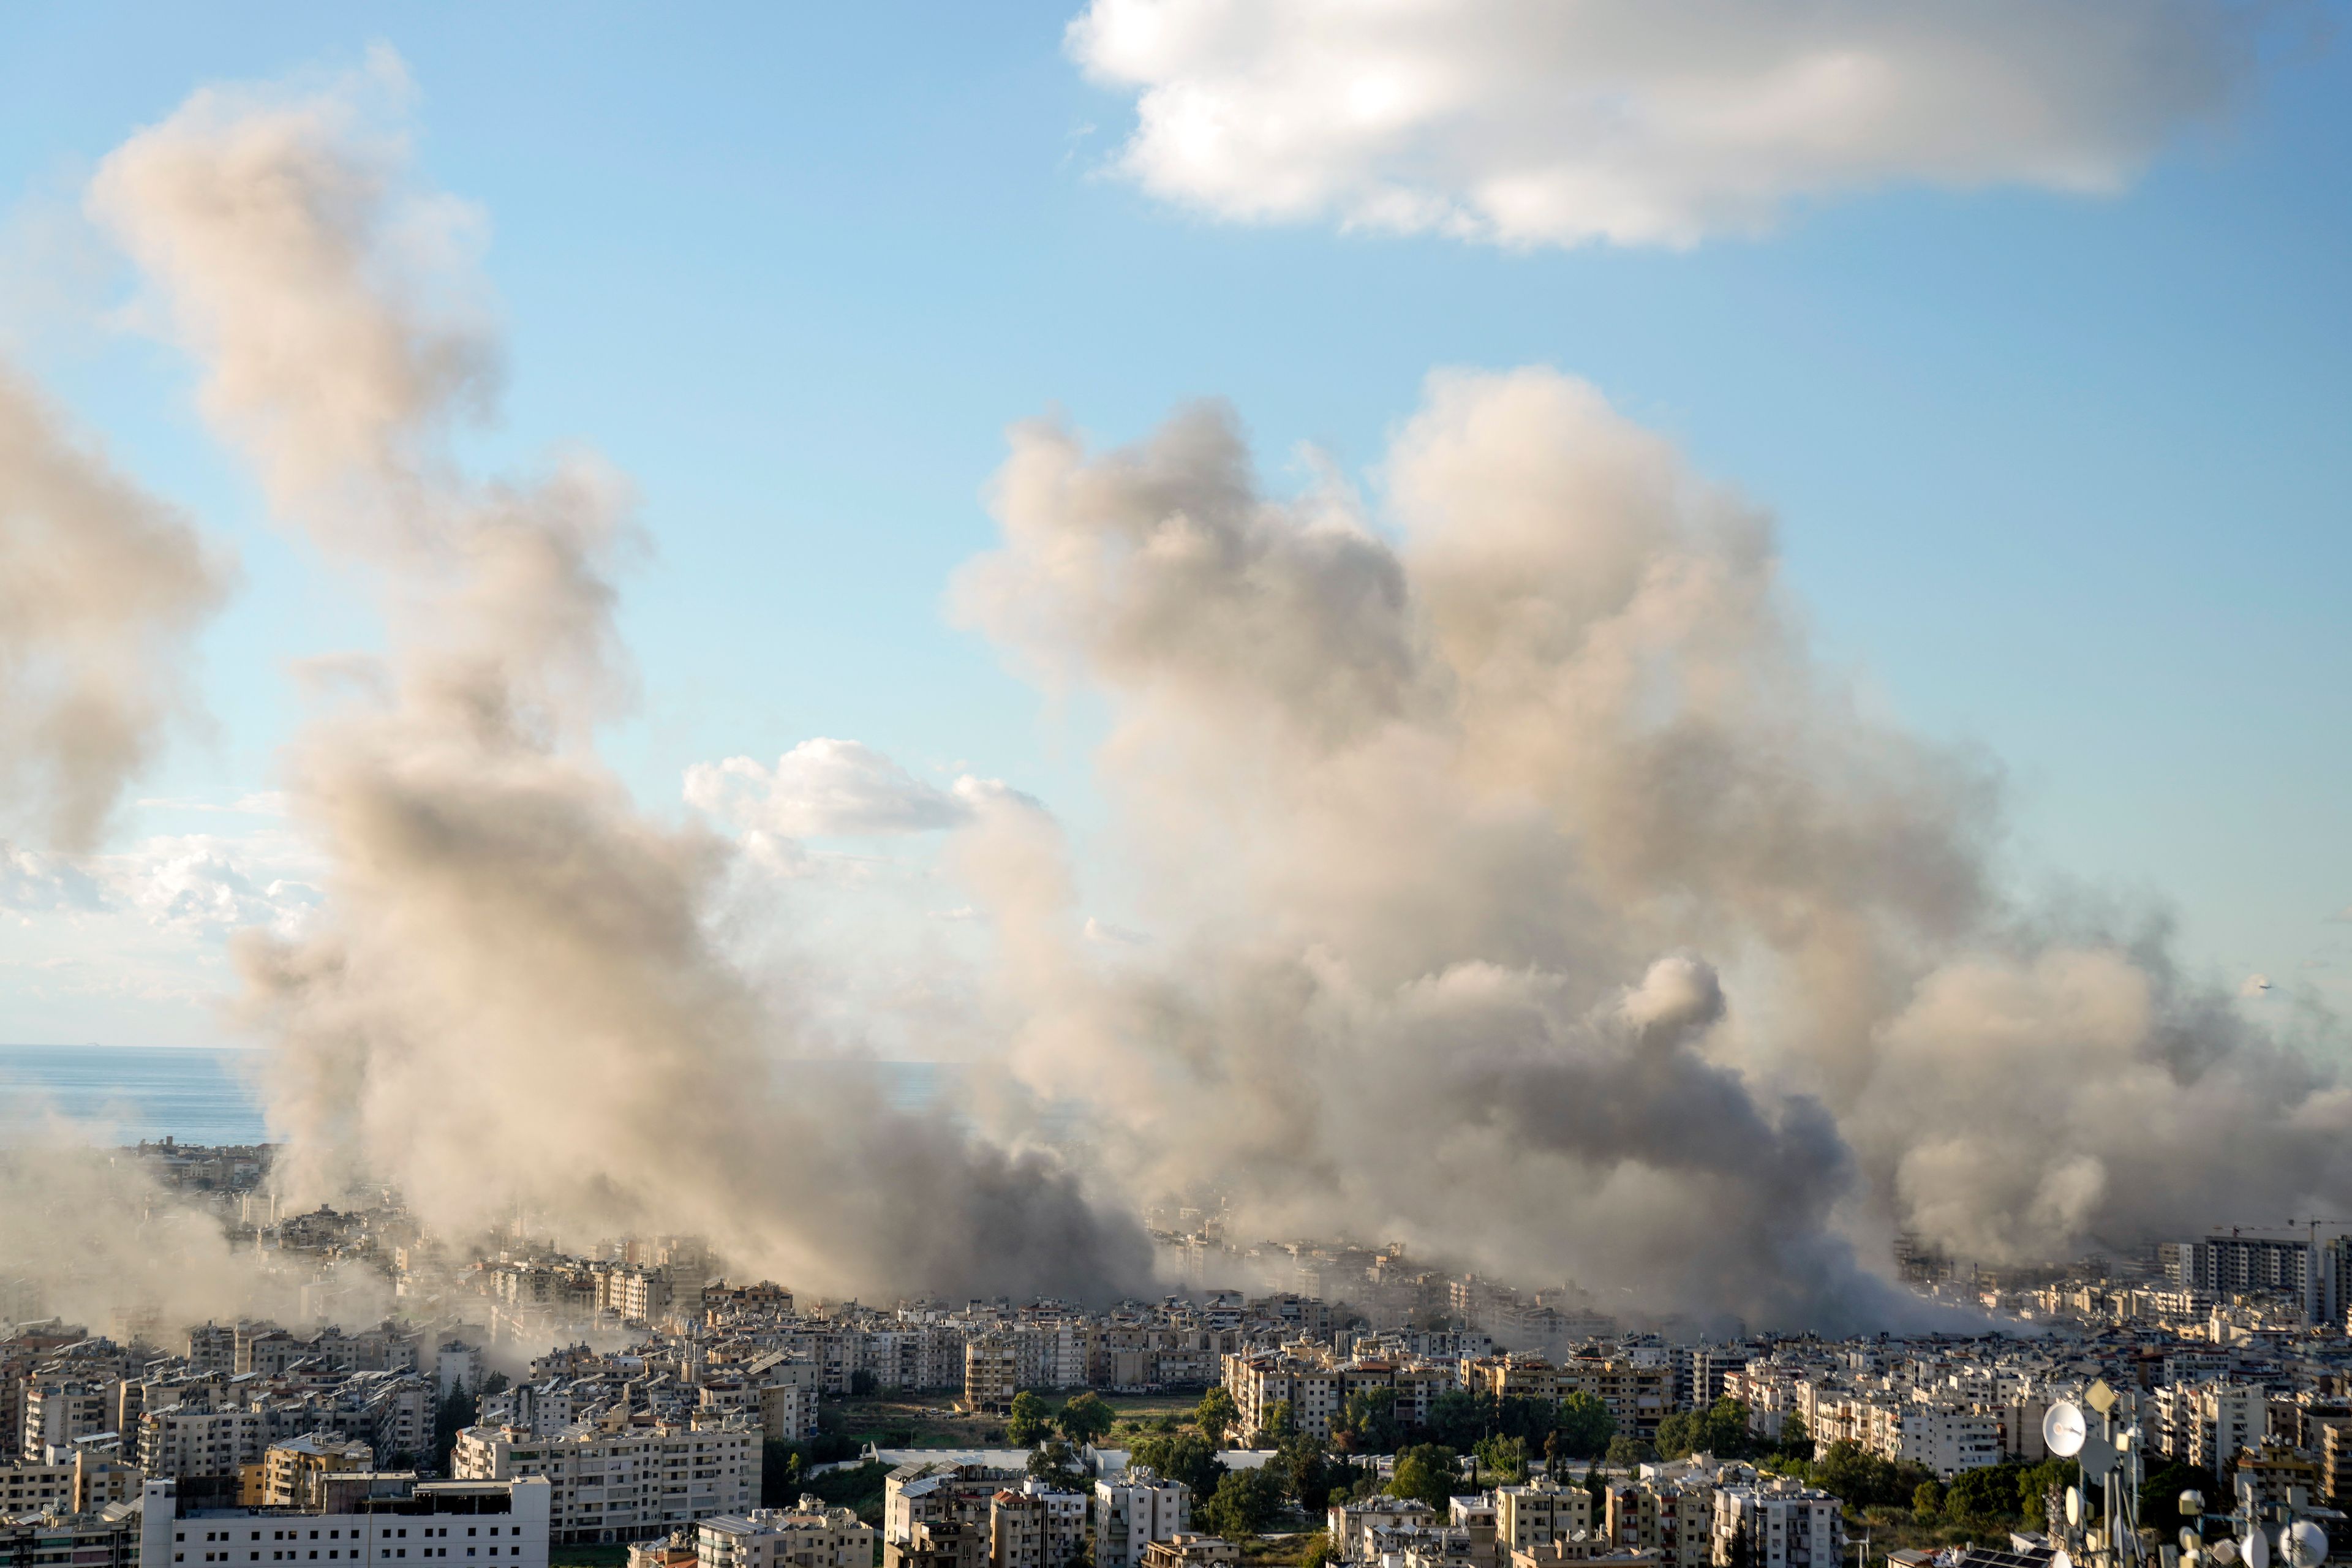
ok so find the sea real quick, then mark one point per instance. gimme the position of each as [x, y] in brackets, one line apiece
[122, 1094]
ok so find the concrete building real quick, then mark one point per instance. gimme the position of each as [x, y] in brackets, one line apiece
[809, 1536]
[1037, 1527]
[1134, 1511]
[195, 1439]
[1192, 1552]
[293, 1472]
[1787, 1525]
[991, 1374]
[1540, 1510]
[623, 1482]
[1673, 1520]
[112, 1537]
[376, 1520]
[36, 1488]
[57, 1415]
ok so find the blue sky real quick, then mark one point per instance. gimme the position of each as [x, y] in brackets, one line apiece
[2060, 477]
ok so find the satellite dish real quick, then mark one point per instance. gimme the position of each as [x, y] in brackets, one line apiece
[2225, 1552]
[2100, 1397]
[2073, 1505]
[2256, 1549]
[2192, 1502]
[2062, 1430]
[2061, 1560]
[2303, 1544]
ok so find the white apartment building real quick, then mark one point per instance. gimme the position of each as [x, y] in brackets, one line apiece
[1945, 1439]
[1788, 1526]
[56, 1414]
[453, 1522]
[809, 1536]
[1134, 1511]
[622, 1483]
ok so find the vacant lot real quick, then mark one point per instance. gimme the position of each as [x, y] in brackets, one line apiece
[931, 1420]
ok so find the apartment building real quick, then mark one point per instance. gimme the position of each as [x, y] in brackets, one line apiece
[1135, 1511]
[1673, 1520]
[990, 1374]
[622, 1483]
[1540, 1510]
[809, 1536]
[917, 1496]
[1787, 1525]
[380, 1520]
[1037, 1527]
[58, 1414]
[293, 1472]
[198, 1440]
[27, 1488]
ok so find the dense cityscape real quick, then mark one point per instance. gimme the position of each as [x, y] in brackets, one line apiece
[1353, 1405]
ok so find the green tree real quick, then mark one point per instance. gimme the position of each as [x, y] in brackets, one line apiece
[1279, 1425]
[1426, 1471]
[1031, 1421]
[2159, 1495]
[1368, 1424]
[1186, 1456]
[1585, 1427]
[1215, 1415]
[1727, 1434]
[1319, 1551]
[1625, 1452]
[1796, 1443]
[1057, 1463]
[1927, 1500]
[1306, 1472]
[1087, 1417]
[1244, 1503]
[1506, 1458]
[1681, 1433]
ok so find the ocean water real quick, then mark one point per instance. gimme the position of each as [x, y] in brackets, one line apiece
[119, 1094]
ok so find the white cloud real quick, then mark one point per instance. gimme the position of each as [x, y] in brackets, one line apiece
[212, 886]
[1566, 122]
[35, 883]
[821, 788]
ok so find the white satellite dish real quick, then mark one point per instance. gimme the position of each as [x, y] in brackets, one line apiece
[2303, 1544]
[2256, 1549]
[2061, 1560]
[2062, 1429]
[2224, 1552]
[2073, 1505]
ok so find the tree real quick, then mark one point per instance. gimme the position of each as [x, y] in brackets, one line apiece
[1625, 1452]
[862, 1383]
[1244, 1503]
[1186, 1458]
[454, 1413]
[1681, 1433]
[1459, 1417]
[1796, 1443]
[1726, 1435]
[1031, 1421]
[1585, 1427]
[1927, 1500]
[1368, 1424]
[1279, 1424]
[1306, 1472]
[1057, 1463]
[1319, 1551]
[2159, 1495]
[1426, 1471]
[1215, 1415]
[1742, 1551]
[1087, 1417]
[1505, 1457]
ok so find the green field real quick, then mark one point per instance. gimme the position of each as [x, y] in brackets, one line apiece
[586, 1556]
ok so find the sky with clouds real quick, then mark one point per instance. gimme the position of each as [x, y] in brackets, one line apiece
[2026, 325]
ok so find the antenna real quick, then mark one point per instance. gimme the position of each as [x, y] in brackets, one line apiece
[2303, 1544]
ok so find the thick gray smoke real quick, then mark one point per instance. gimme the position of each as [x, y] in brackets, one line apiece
[102, 591]
[515, 1006]
[1522, 888]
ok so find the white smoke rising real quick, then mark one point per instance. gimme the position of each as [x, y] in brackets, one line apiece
[1435, 833]
[1568, 121]
[102, 591]
[511, 1001]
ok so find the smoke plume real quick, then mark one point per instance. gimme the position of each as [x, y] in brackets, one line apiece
[1524, 888]
[514, 1006]
[102, 591]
